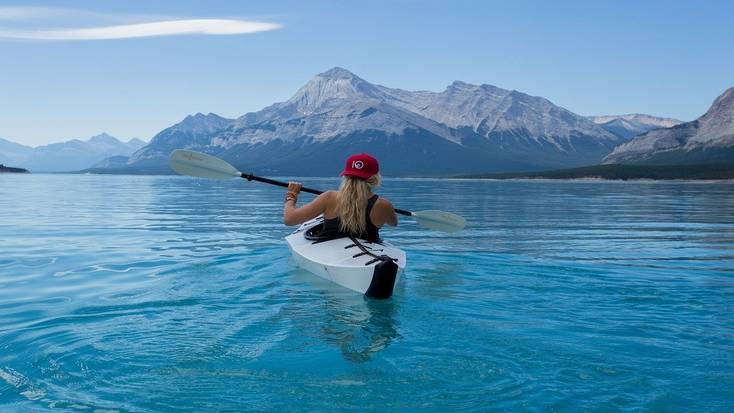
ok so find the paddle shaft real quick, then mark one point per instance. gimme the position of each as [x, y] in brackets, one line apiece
[251, 177]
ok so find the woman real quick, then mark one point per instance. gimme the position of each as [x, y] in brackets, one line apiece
[353, 210]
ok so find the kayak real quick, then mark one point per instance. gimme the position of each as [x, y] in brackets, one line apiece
[369, 268]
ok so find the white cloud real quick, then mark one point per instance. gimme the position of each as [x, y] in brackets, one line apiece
[25, 22]
[151, 29]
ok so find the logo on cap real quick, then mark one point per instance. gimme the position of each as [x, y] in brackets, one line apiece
[360, 166]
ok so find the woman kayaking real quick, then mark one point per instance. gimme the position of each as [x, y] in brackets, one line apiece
[353, 210]
[364, 267]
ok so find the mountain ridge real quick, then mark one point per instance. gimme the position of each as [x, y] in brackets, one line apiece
[710, 138]
[632, 124]
[338, 113]
[66, 156]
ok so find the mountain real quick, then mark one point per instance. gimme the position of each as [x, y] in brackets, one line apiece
[136, 143]
[194, 132]
[12, 153]
[113, 162]
[66, 156]
[462, 129]
[633, 124]
[708, 139]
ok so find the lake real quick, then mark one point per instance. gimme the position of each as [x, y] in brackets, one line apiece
[149, 294]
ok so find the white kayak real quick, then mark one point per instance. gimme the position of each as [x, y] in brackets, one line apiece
[366, 267]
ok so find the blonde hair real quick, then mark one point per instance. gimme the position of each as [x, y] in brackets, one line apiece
[351, 203]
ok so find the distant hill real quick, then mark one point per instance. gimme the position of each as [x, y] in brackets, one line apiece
[708, 139]
[9, 169]
[631, 125]
[462, 129]
[113, 162]
[66, 156]
[12, 153]
[626, 172]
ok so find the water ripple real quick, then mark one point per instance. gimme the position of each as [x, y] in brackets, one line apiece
[148, 294]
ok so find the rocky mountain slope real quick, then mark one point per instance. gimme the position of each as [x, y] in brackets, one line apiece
[708, 139]
[462, 129]
[194, 132]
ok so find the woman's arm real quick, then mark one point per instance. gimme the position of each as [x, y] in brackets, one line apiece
[293, 215]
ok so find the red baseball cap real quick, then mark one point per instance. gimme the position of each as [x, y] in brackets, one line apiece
[361, 166]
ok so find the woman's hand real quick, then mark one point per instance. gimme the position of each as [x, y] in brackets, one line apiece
[294, 187]
[293, 215]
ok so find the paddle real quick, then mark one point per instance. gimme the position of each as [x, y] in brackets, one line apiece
[202, 165]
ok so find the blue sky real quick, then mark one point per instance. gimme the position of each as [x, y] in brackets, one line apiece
[592, 57]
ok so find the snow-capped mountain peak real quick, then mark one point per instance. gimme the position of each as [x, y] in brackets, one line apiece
[652, 121]
[633, 124]
[337, 72]
[334, 84]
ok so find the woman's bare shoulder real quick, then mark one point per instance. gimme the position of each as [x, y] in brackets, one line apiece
[329, 198]
[330, 195]
[383, 203]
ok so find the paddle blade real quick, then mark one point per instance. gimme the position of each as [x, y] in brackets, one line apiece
[439, 220]
[201, 165]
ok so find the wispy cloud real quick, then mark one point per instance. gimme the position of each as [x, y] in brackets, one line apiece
[143, 27]
[152, 29]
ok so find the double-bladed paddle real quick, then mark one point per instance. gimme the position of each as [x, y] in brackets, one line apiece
[202, 165]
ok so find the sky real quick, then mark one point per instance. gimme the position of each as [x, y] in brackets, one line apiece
[73, 69]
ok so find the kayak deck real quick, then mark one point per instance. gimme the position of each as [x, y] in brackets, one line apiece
[365, 267]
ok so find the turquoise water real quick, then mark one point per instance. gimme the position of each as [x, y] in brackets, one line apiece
[148, 294]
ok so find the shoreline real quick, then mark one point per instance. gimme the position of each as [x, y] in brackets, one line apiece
[445, 178]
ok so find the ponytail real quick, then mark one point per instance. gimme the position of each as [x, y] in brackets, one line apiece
[351, 203]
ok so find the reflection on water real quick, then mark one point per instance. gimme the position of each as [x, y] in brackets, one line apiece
[357, 325]
[148, 294]
[362, 331]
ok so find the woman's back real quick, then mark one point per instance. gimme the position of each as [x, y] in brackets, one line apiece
[332, 222]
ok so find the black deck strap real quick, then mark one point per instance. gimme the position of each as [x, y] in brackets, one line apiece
[362, 247]
[369, 248]
[372, 261]
[359, 254]
[366, 251]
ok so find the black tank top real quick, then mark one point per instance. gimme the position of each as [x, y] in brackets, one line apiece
[372, 233]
